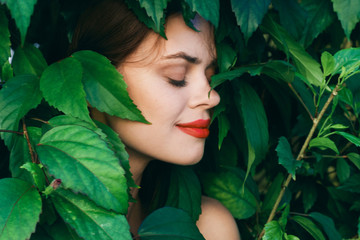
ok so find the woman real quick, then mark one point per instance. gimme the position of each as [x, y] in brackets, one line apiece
[168, 80]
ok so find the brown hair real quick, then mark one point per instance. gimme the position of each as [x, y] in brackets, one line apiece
[110, 28]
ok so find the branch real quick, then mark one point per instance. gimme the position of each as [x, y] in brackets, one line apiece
[300, 156]
[9, 131]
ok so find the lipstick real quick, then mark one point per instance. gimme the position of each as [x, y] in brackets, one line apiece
[198, 128]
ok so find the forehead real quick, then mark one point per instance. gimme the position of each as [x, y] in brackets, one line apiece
[180, 38]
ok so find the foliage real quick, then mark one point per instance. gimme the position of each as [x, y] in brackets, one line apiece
[285, 159]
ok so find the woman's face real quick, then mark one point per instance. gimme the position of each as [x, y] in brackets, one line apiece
[171, 88]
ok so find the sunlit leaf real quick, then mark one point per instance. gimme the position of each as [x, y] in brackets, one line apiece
[348, 12]
[353, 139]
[255, 122]
[28, 60]
[21, 11]
[323, 143]
[227, 187]
[89, 220]
[355, 159]
[310, 227]
[19, 209]
[18, 96]
[273, 231]
[85, 163]
[169, 223]
[304, 63]
[4, 38]
[328, 63]
[105, 88]
[286, 158]
[319, 16]
[62, 88]
[249, 14]
[328, 225]
[207, 9]
[185, 191]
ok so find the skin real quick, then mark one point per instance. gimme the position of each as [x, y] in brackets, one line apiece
[170, 85]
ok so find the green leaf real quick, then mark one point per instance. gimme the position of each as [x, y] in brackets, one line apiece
[272, 193]
[328, 63]
[144, 18]
[347, 58]
[304, 63]
[319, 16]
[353, 139]
[309, 196]
[249, 14]
[229, 189]
[169, 223]
[84, 162]
[105, 88]
[224, 127]
[310, 227]
[207, 9]
[62, 88]
[355, 159]
[19, 210]
[37, 174]
[279, 70]
[28, 60]
[292, 16]
[352, 184]
[4, 38]
[273, 231]
[155, 10]
[342, 170]
[19, 155]
[328, 225]
[323, 143]
[6, 72]
[286, 158]
[255, 121]
[61, 231]
[348, 12]
[226, 56]
[18, 96]
[218, 79]
[89, 220]
[21, 11]
[185, 191]
[119, 149]
[284, 217]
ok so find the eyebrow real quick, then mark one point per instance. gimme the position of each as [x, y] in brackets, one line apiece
[188, 58]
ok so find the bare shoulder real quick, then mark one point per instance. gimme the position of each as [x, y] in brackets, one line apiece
[216, 222]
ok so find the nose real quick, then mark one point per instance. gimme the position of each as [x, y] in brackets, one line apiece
[203, 96]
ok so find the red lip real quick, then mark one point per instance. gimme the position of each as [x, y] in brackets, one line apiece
[198, 128]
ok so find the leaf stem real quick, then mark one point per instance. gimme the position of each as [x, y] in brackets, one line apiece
[301, 101]
[300, 156]
[28, 142]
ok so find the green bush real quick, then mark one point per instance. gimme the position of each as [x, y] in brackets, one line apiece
[284, 160]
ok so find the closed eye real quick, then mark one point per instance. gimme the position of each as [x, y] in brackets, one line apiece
[177, 83]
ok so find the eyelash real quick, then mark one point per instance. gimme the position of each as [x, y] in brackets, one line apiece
[177, 83]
